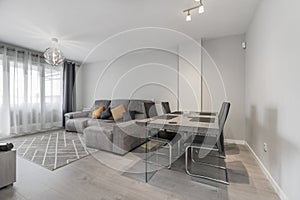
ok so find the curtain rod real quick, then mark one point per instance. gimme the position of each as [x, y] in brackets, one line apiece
[72, 61]
[78, 64]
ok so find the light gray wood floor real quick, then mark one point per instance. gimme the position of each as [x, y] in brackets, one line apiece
[89, 179]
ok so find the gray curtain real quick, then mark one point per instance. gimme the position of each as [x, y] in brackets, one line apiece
[69, 90]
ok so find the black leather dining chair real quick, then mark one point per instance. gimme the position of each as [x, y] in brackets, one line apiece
[221, 137]
[169, 139]
[209, 143]
[166, 107]
[223, 114]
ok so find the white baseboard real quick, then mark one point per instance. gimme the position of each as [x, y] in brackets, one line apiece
[274, 184]
[235, 141]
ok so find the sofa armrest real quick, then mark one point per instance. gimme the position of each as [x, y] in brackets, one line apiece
[78, 114]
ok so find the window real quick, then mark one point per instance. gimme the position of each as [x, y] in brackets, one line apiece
[30, 92]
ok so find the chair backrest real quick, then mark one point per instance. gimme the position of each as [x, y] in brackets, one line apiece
[223, 115]
[222, 109]
[166, 107]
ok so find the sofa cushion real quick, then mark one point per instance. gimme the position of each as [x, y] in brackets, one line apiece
[78, 114]
[137, 106]
[139, 115]
[127, 136]
[128, 115]
[100, 137]
[117, 102]
[76, 124]
[117, 112]
[97, 122]
[99, 130]
[140, 109]
[99, 103]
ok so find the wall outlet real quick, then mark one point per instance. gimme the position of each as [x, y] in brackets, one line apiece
[265, 147]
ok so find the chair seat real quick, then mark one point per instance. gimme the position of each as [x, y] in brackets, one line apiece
[208, 142]
[166, 136]
[169, 139]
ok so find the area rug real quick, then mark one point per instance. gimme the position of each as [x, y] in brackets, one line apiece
[53, 149]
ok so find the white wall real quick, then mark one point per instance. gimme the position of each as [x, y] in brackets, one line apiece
[272, 90]
[145, 74]
[153, 74]
[189, 80]
[223, 62]
[120, 81]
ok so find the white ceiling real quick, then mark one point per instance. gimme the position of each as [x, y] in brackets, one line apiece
[80, 25]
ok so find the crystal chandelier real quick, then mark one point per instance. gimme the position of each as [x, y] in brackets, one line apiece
[53, 55]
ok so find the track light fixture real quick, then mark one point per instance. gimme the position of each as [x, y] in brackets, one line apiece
[200, 8]
[188, 17]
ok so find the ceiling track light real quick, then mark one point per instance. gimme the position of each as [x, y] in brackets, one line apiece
[200, 8]
[188, 16]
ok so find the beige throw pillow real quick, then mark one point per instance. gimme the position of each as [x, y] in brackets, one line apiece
[117, 112]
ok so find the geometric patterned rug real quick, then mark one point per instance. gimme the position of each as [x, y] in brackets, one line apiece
[53, 149]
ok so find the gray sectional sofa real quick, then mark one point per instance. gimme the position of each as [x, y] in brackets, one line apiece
[117, 137]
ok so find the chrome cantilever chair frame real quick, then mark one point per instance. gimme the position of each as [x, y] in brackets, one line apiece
[222, 119]
[166, 110]
[170, 147]
[204, 163]
[169, 143]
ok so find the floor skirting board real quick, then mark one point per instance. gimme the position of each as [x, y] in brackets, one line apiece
[274, 184]
[231, 141]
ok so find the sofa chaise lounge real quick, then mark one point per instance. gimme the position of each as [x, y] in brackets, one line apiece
[117, 137]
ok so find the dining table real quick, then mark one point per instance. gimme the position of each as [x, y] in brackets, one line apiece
[186, 123]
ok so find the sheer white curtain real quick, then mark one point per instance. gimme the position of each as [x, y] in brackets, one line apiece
[30, 92]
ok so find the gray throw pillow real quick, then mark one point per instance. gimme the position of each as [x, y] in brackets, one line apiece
[106, 114]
